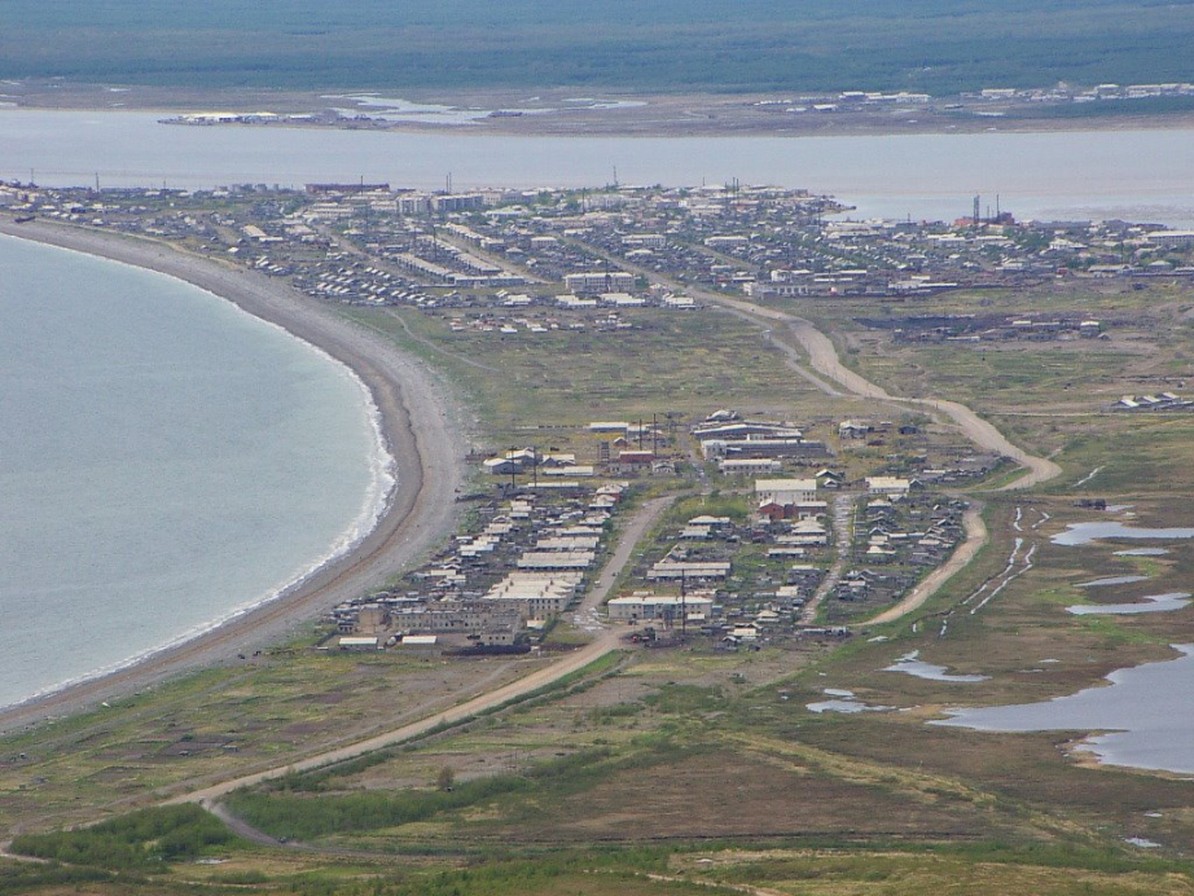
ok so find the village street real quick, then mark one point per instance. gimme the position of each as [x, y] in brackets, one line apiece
[607, 640]
[823, 358]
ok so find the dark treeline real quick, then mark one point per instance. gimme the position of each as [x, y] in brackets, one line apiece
[138, 841]
[935, 46]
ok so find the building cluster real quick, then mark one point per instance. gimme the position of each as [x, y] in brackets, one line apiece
[753, 446]
[900, 531]
[616, 449]
[1160, 401]
[849, 514]
[568, 255]
[990, 102]
[1062, 93]
[1034, 327]
[490, 590]
[740, 579]
[728, 579]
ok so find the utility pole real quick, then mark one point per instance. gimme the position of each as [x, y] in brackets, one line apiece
[683, 603]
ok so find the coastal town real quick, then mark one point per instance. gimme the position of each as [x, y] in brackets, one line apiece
[609, 449]
[986, 106]
[544, 253]
[776, 529]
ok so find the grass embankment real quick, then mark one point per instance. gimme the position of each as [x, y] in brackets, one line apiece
[729, 778]
[285, 704]
[686, 363]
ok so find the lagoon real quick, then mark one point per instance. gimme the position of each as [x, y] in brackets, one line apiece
[1143, 716]
[1084, 533]
[1137, 174]
[1149, 603]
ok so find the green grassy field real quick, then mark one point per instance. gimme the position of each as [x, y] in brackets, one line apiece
[555, 382]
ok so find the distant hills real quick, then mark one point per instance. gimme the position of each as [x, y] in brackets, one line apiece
[934, 46]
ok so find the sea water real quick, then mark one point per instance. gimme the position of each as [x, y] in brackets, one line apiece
[166, 461]
[1134, 174]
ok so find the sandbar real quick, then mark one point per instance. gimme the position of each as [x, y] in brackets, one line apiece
[560, 112]
[420, 422]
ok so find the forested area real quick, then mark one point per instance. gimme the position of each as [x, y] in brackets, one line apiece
[932, 46]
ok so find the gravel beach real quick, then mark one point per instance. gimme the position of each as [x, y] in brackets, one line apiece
[420, 423]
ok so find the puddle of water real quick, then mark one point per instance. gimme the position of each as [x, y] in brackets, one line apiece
[845, 702]
[847, 706]
[1149, 603]
[1111, 580]
[1085, 533]
[911, 664]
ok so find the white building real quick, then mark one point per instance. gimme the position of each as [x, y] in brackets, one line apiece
[535, 595]
[656, 606]
[887, 485]
[599, 282]
[785, 491]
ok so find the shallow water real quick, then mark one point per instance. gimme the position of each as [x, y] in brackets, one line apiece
[1111, 580]
[1149, 603]
[1136, 175]
[844, 702]
[1084, 533]
[1147, 712]
[910, 664]
[167, 460]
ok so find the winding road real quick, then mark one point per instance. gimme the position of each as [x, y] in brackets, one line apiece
[826, 371]
[607, 640]
[823, 358]
[413, 523]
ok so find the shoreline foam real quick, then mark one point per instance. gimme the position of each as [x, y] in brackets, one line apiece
[410, 517]
[373, 507]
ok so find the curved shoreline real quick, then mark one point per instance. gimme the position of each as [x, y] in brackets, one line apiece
[418, 432]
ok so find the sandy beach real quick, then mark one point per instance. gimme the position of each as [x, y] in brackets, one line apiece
[420, 423]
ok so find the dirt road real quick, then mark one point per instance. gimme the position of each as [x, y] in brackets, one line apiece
[608, 640]
[976, 538]
[635, 528]
[542, 677]
[828, 369]
[823, 358]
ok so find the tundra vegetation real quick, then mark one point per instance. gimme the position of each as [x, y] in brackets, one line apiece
[676, 770]
[694, 769]
[933, 46]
